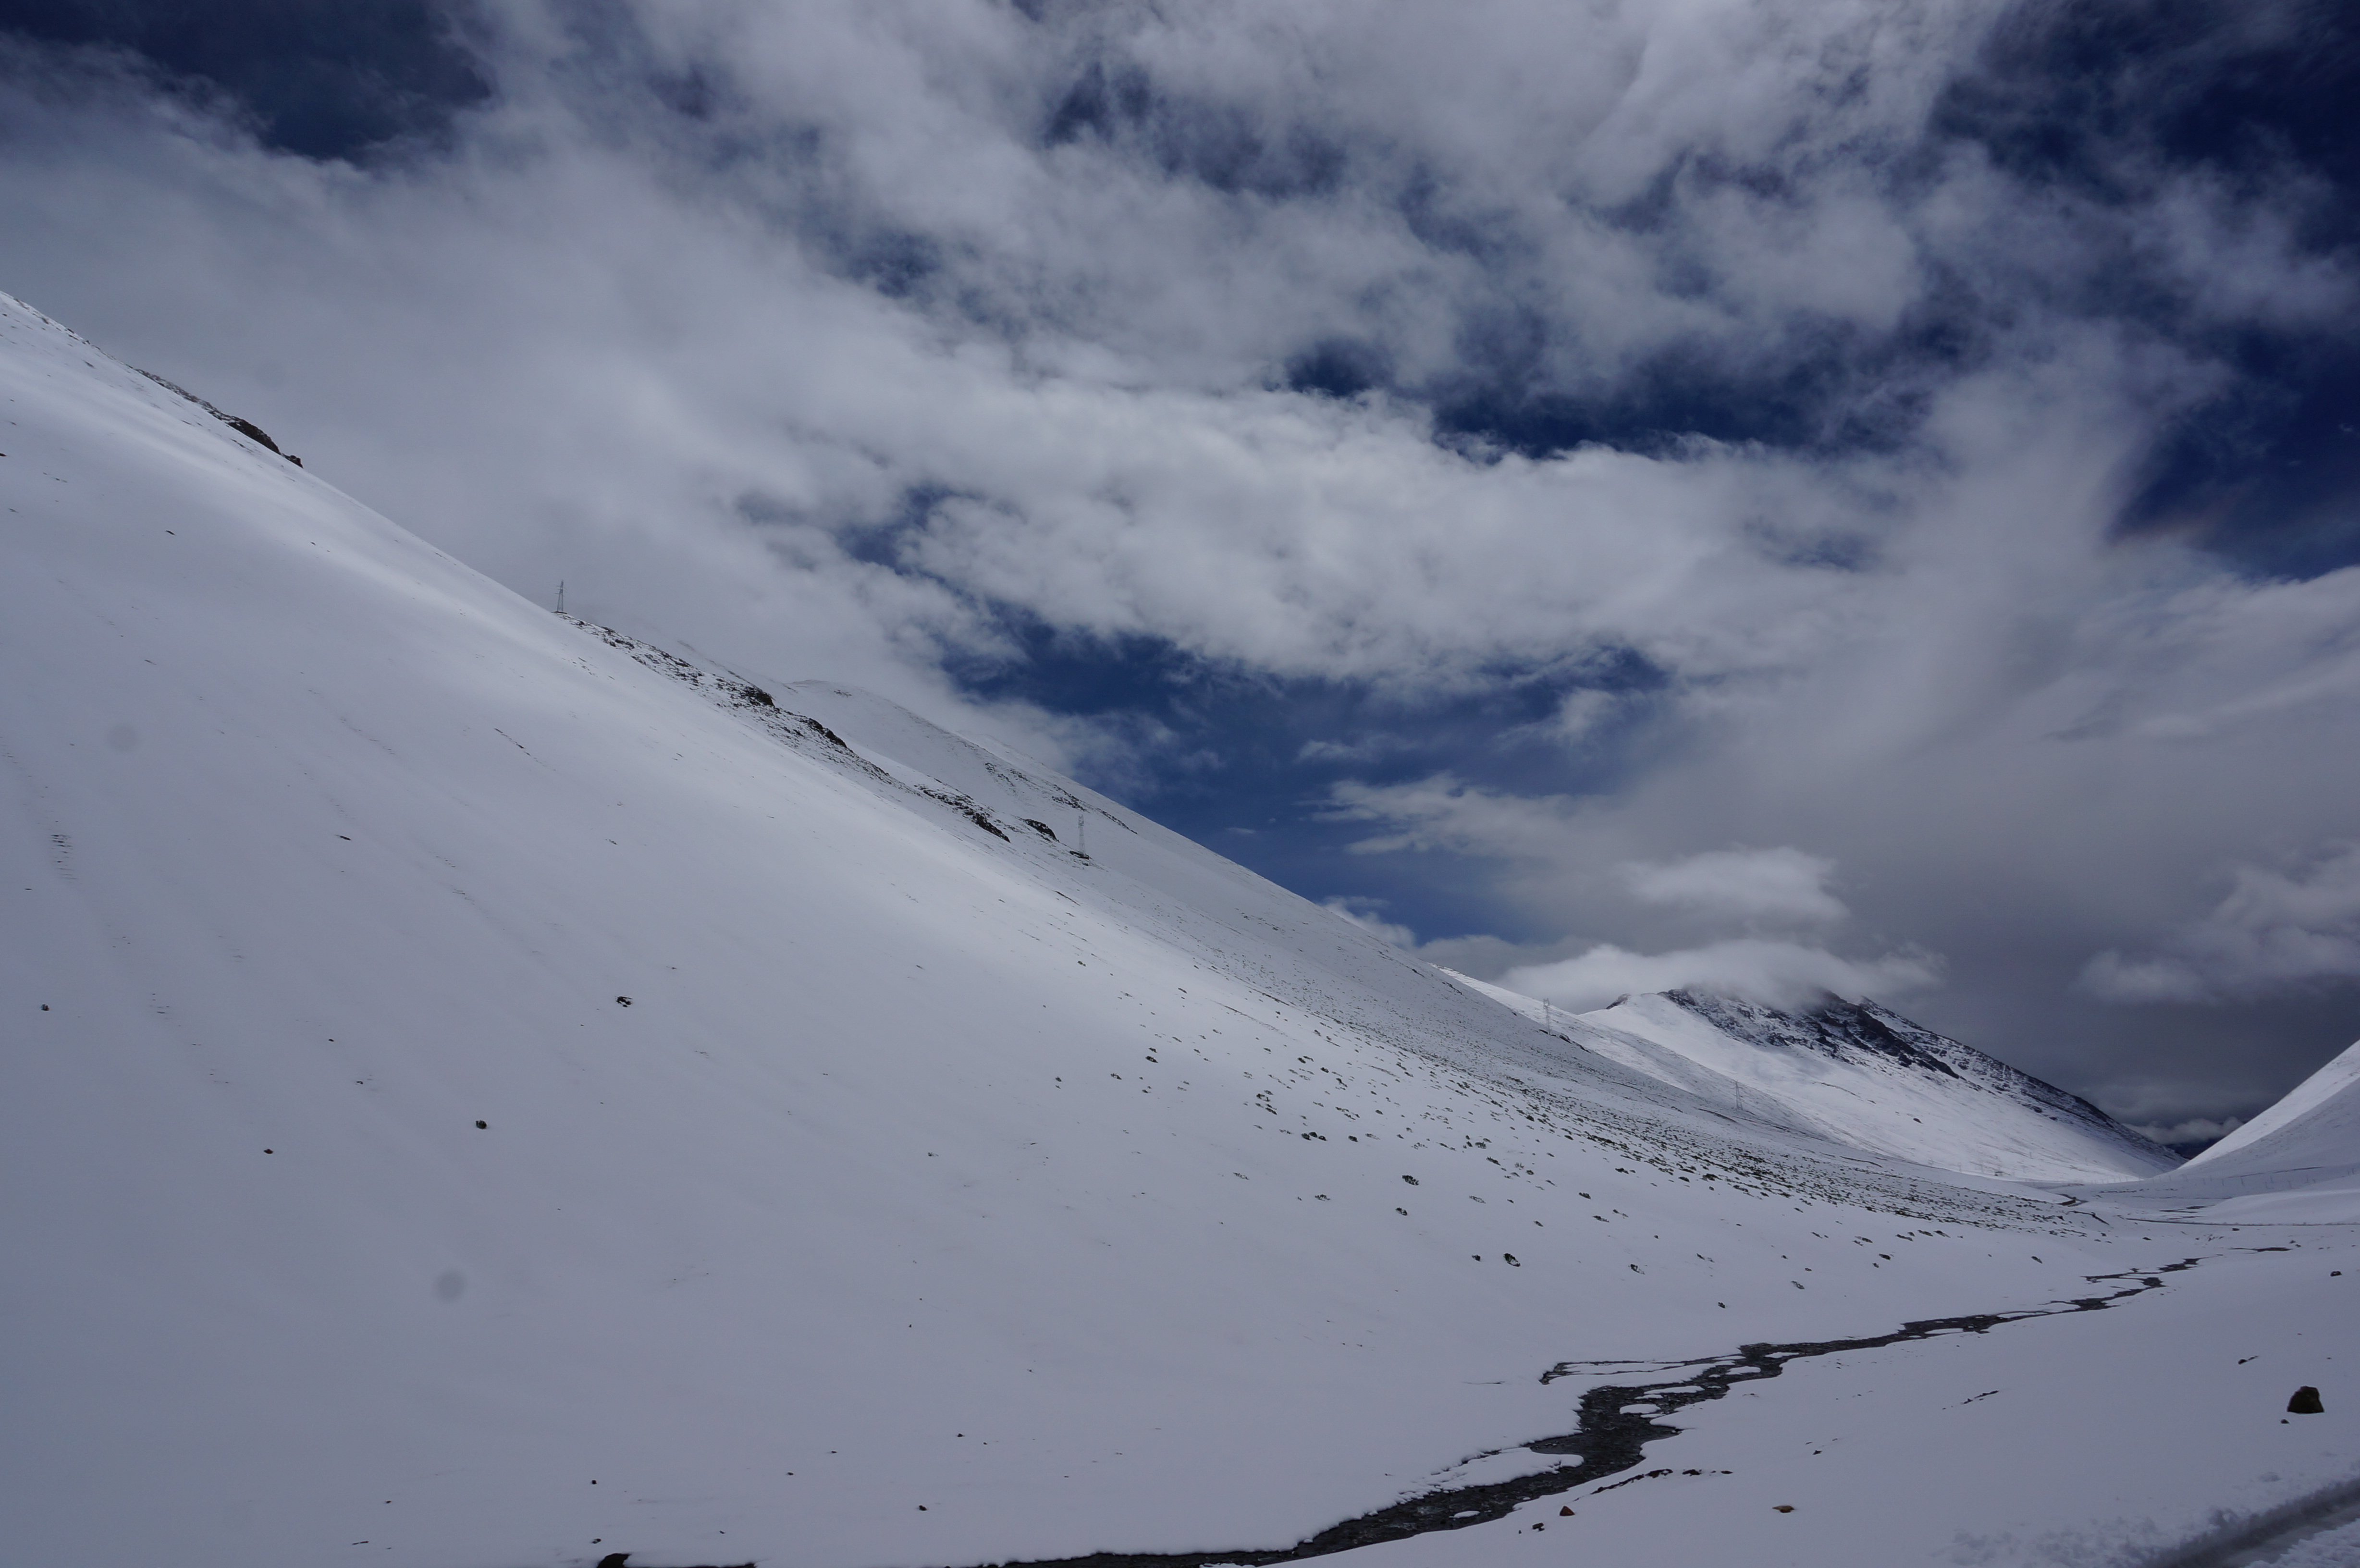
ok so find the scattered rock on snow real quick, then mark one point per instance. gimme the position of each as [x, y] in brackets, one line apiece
[2306, 1402]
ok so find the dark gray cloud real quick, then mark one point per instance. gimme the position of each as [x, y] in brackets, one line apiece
[1876, 472]
[325, 81]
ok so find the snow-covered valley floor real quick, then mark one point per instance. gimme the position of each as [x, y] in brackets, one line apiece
[479, 1095]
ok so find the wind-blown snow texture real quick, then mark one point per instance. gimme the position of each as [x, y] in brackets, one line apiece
[481, 1091]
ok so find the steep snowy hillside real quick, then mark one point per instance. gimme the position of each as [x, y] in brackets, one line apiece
[2317, 1124]
[481, 1091]
[2297, 1163]
[1861, 1074]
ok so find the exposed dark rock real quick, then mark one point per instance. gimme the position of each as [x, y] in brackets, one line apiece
[2306, 1402]
[245, 427]
[251, 430]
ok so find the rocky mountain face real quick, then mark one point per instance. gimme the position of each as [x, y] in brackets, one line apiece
[1869, 1032]
[1861, 1074]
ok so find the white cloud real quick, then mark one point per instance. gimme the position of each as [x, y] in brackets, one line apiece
[1751, 884]
[2272, 933]
[1364, 913]
[1446, 813]
[2192, 1130]
[1780, 974]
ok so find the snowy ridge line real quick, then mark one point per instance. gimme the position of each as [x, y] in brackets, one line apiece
[245, 427]
[730, 692]
[2305, 1101]
[1485, 1070]
[1482, 1069]
[1853, 1074]
[2239, 1534]
[743, 697]
[1858, 1073]
[1613, 1436]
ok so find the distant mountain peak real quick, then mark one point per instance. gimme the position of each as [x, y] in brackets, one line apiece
[1863, 1074]
[1830, 1024]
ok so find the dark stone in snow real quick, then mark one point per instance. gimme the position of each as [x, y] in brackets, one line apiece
[251, 430]
[2306, 1402]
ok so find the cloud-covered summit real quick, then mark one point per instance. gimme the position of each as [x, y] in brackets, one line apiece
[1540, 447]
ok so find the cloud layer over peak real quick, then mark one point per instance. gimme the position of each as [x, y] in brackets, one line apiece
[1780, 974]
[1776, 885]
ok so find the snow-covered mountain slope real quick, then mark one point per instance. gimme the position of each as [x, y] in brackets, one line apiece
[2316, 1125]
[2297, 1162]
[481, 1092]
[1860, 1074]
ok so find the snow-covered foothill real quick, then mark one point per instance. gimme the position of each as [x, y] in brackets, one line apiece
[480, 1090]
[1860, 1074]
[2297, 1163]
[2316, 1125]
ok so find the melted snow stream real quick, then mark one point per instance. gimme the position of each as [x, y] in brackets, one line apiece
[1616, 1423]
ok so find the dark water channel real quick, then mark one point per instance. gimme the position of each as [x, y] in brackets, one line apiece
[1615, 1423]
